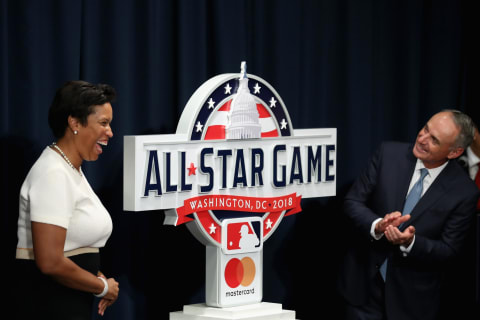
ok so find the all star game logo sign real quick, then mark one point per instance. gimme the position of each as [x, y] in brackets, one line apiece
[235, 154]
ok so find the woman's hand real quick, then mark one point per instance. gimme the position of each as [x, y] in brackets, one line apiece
[48, 244]
[110, 297]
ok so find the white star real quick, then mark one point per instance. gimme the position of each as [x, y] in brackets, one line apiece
[228, 89]
[211, 103]
[257, 88]
[272, 102]
[199, 126]
[212, 228]
[284, 124]
[269, 224]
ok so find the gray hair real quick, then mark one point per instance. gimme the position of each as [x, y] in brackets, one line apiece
[466, 126]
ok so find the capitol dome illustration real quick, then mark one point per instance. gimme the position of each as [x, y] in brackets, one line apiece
[243, 119]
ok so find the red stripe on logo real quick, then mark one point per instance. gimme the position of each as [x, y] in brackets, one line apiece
[226, 106]
[262, 112]
[273, 133]
[215, 132]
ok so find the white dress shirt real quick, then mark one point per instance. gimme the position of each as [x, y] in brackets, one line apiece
[473, 160]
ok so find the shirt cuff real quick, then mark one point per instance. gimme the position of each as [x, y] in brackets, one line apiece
[406, 250]
[372, 230]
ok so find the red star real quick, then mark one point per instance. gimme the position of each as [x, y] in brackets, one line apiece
[191, 169]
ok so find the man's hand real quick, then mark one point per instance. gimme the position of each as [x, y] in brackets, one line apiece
[395, 236]
[391, 219]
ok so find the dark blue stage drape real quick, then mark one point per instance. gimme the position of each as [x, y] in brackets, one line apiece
[374, 69]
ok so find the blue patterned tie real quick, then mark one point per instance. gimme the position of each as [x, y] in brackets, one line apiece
[412, 199]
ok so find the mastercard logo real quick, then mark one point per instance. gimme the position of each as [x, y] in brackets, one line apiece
[240, 272]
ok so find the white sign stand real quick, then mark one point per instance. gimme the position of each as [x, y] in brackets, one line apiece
[258, 311]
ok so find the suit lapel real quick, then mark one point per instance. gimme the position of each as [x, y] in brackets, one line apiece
[434, 192]
[405, 173]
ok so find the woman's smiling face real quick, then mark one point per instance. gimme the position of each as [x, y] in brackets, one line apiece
[96, 133]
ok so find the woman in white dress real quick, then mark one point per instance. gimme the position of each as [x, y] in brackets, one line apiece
[62, 223]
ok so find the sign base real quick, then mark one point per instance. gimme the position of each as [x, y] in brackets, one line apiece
[257, 311]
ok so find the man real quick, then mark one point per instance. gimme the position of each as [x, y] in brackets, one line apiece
[463, 282]
[396, 262]
[471, 159]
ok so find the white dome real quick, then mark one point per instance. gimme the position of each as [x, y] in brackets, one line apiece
[243, 119]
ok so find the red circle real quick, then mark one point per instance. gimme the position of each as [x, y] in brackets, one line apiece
[234, 273]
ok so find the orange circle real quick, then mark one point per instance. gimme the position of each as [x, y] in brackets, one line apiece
[248, 271]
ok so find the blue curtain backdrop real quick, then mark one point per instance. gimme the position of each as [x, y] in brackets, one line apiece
[374, 69]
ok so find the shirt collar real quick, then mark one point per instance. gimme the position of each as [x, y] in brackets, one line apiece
[432, 172]
[473, 159]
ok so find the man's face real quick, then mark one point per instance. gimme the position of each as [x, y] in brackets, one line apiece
[435, 142]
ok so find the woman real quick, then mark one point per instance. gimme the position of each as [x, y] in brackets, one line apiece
[62, 223]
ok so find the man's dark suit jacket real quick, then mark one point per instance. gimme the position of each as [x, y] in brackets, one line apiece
[441, 219]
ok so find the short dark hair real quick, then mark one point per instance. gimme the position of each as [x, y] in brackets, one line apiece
[76, 99]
